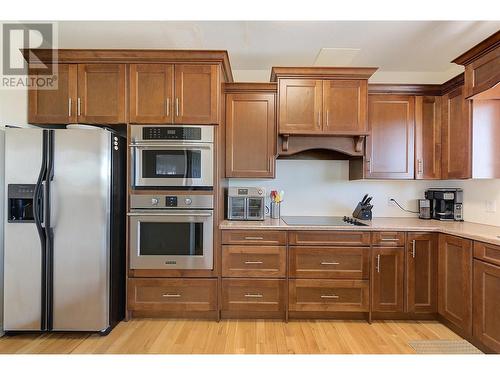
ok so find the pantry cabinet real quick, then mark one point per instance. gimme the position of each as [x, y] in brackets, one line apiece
[250, 130]
[421, 272]
[455, 282]
[390, 145]
[86, 93]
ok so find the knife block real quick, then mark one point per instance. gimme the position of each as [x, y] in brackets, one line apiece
[362, 212]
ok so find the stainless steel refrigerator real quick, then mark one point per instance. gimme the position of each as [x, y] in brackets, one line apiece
[64, 230]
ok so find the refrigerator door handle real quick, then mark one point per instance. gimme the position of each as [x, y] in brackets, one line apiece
[49, 233]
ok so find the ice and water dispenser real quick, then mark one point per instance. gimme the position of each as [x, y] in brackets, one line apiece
[20, 203]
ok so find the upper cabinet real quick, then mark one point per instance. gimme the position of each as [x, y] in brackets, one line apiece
[55, 106]
[196, 94]
[151, 93]
[86, 93]
[174, 93]
[456, 155]
[322, 101]
[344, 106]
[300, 106]
[427, 137]
[250, 130]
[390, 145]
[101, 93]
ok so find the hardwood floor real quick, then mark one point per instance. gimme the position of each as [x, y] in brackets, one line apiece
[162, 336]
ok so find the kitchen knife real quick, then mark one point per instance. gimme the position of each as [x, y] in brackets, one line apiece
[367, 201]
[364, 198]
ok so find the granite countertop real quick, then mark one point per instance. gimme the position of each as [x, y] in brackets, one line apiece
[473, 231]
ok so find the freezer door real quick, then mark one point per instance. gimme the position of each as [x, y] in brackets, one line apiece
[80, 211]
[22, 246]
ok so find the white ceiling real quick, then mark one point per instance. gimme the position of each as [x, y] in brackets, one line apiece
[405, 51]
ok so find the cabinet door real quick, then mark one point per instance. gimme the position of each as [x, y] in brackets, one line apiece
[151, 93]
[196, 94]
[54, 106]
[388, 279]
[344, 106]
[421, 272]
[250, 135]
[487, 304]
[101, 93]
[300, 106]
[427, 137]
[456, 132]
[455, 281]
[390, 146]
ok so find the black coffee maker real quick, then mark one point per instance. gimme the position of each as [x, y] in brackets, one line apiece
[446, 203]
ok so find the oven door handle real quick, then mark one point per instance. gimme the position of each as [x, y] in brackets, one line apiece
[176, 146]
[167, 214]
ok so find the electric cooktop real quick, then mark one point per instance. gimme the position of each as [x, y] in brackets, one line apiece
[322, 220]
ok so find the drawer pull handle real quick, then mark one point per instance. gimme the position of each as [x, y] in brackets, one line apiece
[330, 296]
[253, 295]
[388, 239]
[253, 262]
[253, 238]
[171, 295]
[330, 263]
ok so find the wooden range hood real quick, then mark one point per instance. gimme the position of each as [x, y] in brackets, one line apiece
[322, 111]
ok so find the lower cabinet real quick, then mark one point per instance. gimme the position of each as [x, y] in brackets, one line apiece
[421, 272]
[486, 322]
[253, 298]
[388, 279]
[329, 295]
[172, 295]
[455, 282]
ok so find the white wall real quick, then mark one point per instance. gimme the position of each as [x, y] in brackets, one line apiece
[322, 187]
[13, 107]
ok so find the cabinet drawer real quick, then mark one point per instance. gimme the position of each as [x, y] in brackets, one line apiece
[253, 295]
[264, 237]
[328, 295]
[388, 238]
[330, 262]
[342, 238]
[487, 252]
[253, 261]
[172, 294]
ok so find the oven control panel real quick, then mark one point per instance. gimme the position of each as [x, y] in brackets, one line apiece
[171, 133]
[200, 201]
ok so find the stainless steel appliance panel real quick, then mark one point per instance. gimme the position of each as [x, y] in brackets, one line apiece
[22, 246]
[80, 203]
[137, 133]
[165, 218]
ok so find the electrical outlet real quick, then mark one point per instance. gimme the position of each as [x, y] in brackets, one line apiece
[490, 206]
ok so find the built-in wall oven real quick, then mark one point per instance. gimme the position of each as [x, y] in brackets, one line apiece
[171, 231]
[173, 157]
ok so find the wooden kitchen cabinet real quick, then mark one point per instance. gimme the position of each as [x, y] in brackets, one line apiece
[101, 93]
[86, 93]
[421, 272]
[427, 137]
[250, 133]
[486, 314]
[55, 106]
[455, 282]
[152, 93]
[196, 94]
[300, 106]
[345, 106]
[456, 135]
[388, 279]
[390, 146]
